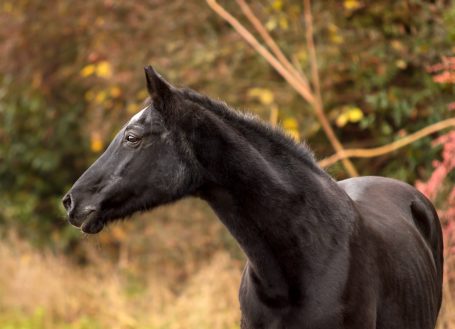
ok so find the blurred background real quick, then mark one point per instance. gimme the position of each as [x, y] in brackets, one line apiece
[71, 74]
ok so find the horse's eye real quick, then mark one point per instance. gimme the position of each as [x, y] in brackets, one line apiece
[132, 139]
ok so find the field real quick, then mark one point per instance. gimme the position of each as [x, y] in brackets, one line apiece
[150, 282]
[187, 287]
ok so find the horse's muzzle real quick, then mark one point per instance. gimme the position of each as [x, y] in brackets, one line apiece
[87, 219]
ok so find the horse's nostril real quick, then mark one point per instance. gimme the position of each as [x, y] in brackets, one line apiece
[67, 202]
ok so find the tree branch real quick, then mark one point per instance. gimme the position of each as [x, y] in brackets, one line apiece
[290, 78]
[311, 48]
[318, 105]
[260, 28]
[377, 151]
[282, 68]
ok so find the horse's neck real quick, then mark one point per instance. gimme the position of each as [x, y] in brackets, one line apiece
[283, 213]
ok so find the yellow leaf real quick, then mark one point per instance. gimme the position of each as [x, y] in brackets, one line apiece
[334, 34]
[401, 64]
[290, 123]
[96, 143]
[271, 24]
[274, 112]
[336, 38]
[284, 24]
[103, 69]
[354, 114]
[115, 91]
[342, 119]
[277, 5]
[132, 108]
[101, 97]
[88, 70]
[292, 128]
[264, 95]
[351, 4]
[349, 114]
[302, 56]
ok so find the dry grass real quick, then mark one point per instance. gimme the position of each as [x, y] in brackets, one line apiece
[447, 314]
[65, 292]
[167, 270]
[102, 292]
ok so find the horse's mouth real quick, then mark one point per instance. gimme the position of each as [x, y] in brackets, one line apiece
[90, 223]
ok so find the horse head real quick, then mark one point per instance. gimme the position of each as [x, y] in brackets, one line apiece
[145, 165]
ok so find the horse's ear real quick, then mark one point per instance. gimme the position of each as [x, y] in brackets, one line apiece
[159, 89]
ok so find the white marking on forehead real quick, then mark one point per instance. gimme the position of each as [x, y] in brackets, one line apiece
[137, 116]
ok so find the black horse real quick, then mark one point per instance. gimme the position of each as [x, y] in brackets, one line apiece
[361, 253]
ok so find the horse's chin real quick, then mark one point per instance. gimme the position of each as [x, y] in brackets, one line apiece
[92, 224]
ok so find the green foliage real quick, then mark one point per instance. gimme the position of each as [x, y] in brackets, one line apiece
[374, 56]
[39, 142]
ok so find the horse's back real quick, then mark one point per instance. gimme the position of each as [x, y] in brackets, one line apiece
[403, 234]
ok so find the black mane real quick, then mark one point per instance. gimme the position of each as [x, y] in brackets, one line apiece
[249, 124]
